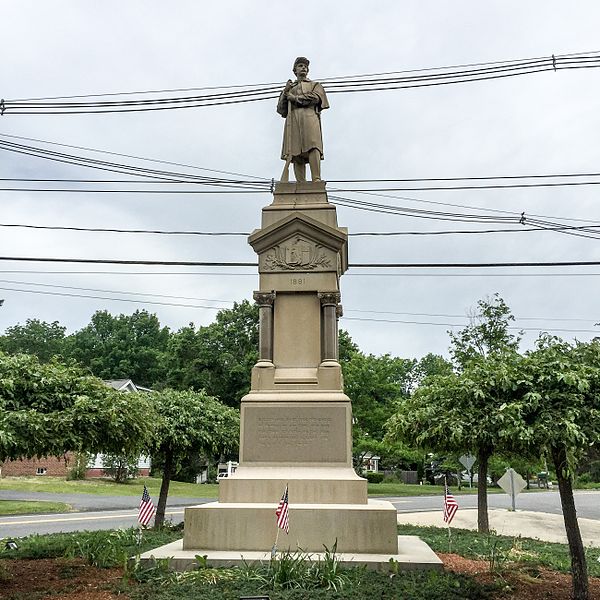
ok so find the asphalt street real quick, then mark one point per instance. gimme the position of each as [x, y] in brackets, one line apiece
[108, 512]
[587, 503]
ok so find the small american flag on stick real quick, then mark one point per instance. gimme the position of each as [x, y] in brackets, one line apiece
[283, 512]
[147, 508]
[450, 505]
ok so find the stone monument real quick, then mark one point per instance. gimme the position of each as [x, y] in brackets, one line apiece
[296, 421]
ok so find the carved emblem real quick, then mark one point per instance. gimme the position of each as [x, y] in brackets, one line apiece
[297, 254]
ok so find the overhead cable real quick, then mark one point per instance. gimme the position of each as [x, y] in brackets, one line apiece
[228, 95]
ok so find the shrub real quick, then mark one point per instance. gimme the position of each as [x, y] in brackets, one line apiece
[80, 466]
[373, 477]
[119, 467]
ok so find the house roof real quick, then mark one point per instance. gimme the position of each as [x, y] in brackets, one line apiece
[125, 385]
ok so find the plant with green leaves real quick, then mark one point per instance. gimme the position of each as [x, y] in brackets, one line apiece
[120, 467]
[42, 339]
[48, 409]
[468, 411]
[560, 413]
[189, 422]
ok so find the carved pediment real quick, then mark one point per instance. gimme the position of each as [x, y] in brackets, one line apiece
[300, 243]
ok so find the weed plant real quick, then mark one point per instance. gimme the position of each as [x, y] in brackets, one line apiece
[503, 551]
[99, 548]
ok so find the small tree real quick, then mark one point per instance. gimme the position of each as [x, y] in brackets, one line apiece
[189, 422]
[120, 467]
[561, 414]
[49, 409]
[469, 411]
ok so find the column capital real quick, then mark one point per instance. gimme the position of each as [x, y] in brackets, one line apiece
[339, 311]
[329, 298]
[264, 298]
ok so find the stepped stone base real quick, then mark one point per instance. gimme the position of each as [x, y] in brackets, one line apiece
[358, 528]
[411, 553]
[307, 485]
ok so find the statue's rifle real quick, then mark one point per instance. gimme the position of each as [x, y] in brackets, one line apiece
[285, 176]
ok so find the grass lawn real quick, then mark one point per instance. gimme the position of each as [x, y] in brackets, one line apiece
[107, 487]
[511, 566]
[20, 507]
[502, 550]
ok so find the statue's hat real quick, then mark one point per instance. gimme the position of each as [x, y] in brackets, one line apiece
[303, 60]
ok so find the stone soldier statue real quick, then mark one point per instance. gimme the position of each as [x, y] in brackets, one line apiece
[301, 103]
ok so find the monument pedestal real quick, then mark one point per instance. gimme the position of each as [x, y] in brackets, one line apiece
[296, 421]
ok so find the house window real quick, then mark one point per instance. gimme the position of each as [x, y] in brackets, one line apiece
[41, 471]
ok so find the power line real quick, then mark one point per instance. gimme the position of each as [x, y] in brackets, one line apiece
[345, 84]
[440, 265]
[596, 331]
[351, 203]
[71, 295]
[520, 229]
[142, 158]
[173, 297]
[254, 274]
[331, 78]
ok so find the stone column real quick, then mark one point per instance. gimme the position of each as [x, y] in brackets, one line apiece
[329, 303]
[265, 324]
[339, 313]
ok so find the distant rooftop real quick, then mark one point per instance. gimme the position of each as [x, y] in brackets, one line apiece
[125, 385]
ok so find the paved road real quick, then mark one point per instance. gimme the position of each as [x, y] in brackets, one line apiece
[121, 511]
[586, 502]
[91, 502]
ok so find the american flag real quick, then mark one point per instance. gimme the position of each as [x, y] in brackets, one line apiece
[147, 509]
[283, 512]
[450, 505]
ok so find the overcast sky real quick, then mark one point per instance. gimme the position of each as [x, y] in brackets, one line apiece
[535, 124]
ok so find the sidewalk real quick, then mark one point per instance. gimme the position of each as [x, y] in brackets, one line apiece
[542, 526]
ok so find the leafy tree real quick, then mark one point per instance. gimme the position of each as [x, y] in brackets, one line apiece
[431, 364]
[42, 339]
[219, 357]
[128, 346]
[50, 409]
[375, 384]
[189, 422]
[120, 467]
[487, 334]
[560, 412]
[464, 412]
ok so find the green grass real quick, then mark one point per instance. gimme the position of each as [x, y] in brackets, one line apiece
[502, 549]
[408, 489]
[106, 548]
[22, 507]
[364, 584]
[106, 487]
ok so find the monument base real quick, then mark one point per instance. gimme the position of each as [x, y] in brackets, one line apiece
[306, 485]
[411, 553]
[365, 528]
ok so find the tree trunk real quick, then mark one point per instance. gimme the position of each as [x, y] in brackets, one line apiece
[483, 523]
[164, 490]
[578, 564]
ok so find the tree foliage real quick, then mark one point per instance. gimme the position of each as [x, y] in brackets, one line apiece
[189, 423]
[560, 411]
[50, 409]
[126, 346]
[487, 334]
[219, 357]
[42, 339]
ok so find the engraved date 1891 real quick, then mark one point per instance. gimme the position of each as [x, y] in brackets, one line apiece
[298, 280]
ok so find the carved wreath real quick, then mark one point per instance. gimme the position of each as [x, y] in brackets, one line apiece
[278, 260]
